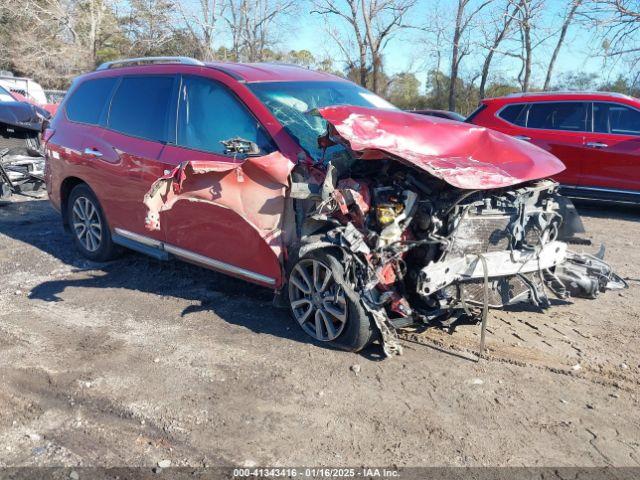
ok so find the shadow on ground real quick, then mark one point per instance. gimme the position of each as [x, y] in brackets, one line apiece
[235, 301]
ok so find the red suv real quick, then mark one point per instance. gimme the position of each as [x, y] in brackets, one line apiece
[364, 218]
[596, 135]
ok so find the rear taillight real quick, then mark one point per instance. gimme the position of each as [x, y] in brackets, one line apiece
[47, 134]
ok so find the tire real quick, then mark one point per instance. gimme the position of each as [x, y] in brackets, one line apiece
[324, 304]
[88, 225]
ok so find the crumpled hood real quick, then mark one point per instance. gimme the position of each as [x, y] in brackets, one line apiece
[464, 155]
[20, 114]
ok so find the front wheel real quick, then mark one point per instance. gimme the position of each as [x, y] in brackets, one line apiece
[325, 305]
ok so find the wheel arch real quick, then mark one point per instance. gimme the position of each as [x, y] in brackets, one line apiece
[66, 187]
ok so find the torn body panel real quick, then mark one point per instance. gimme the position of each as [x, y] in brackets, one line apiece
[240, 204]
[463, 155]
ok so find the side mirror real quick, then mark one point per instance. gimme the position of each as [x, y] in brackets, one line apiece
[240, 146]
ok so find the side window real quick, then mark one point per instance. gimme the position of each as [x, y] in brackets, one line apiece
[141, 107]
[618, 119]
[516, 114]
[570, 116]
[87, 103]
[209, 114]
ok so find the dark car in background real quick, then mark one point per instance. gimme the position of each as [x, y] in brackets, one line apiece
[441, 114]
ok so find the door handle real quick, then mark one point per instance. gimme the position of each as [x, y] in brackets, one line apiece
[523, 137]
[92, 152]
[596, 145]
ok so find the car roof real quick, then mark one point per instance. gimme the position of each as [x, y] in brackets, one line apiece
[271, 72]
[244, 72]
[558, 96]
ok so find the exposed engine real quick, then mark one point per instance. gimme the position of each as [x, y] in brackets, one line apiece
[21, 157]
[421, 251]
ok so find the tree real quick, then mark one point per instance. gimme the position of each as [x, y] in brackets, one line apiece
[573, 7]
[464, 17]
[251, 25]
[349, 12]
[381, 19]
[201, 21]
[501, 29]
[618, 23]
[527, 14]
[404, 91]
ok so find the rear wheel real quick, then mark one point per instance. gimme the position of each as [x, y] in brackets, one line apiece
[325, 305]
[89, 226]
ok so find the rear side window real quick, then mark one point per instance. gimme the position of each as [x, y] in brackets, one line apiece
[141, 107]
[516, 114]
[618, 119]
[88, 102]
[210, 114]
[570, 116]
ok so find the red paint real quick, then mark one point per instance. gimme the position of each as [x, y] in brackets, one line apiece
[233, 210]
[463, 155]
[616, 166]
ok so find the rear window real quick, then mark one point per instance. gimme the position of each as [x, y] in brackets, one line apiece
[617, 119]
[516, 114]
[140, 107]
[88, 101]
[570, 116]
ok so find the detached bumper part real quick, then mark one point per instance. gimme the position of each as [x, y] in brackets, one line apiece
[584, 275]
[519, 276]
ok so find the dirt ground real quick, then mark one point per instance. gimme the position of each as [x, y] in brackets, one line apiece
[136, 361]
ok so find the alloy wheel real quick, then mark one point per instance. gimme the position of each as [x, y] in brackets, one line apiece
[318, 302]
[86, 223]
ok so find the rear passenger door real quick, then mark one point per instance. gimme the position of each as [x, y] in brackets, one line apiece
[560, 128]
[139, 123]
[236, 230]
[612, 159]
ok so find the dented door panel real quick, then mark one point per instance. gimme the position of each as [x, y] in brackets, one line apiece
[225, 209]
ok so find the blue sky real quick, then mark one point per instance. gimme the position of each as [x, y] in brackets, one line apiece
[409, 50]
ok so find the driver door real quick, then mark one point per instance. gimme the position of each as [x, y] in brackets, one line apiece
[235, 229]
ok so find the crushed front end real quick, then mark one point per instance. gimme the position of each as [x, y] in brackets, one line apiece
[21, 156]
[420, 250]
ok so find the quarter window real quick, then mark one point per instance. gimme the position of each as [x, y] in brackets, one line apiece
[617, 119]
[141, 106]
[210, 114]
[87, 103]
[570, 116]
[516, 114]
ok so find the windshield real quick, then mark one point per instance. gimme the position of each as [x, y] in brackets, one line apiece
[293, 104]
[5, 96]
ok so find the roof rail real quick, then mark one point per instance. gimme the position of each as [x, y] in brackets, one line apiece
[129, 62]
[566, 92]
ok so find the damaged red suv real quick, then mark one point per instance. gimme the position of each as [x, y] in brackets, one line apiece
[366, 219]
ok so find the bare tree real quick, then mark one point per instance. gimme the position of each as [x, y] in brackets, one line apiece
[381, 19]
[464, 17]
[526, 16]
[618, 25]
[202, 23]
[349, 12]
[251, 23]
[501, 29]
[573, 7]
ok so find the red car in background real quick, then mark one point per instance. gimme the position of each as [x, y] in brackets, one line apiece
[596, 135]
